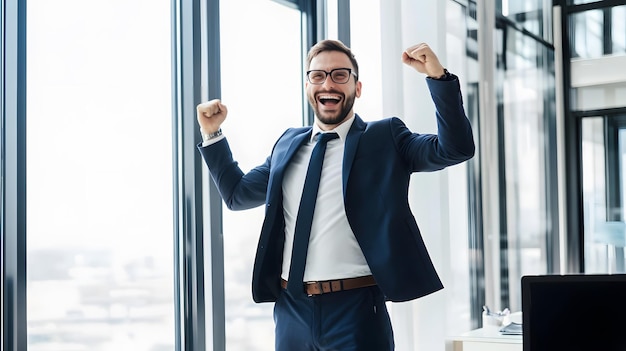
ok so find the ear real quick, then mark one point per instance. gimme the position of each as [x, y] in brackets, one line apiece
[358, 89]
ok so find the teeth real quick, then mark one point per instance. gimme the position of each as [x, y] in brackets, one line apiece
[330, 97]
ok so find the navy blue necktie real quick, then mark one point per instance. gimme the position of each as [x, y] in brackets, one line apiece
[305, 214]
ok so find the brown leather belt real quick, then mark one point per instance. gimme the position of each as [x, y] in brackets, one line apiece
[327, 286]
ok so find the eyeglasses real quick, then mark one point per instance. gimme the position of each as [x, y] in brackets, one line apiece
[338, 75]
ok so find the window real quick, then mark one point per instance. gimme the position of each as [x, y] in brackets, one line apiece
[603, 176]
[598, 32]
[587, 34]
[596, 122]
[534, 16]
[526, 111]
[259, 111]
[100, 245]
[464, 303]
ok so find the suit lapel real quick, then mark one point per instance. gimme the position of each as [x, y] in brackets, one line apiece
[280, 165]
[295, 144]
[352, 142]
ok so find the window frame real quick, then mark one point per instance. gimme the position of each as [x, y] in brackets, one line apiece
[13, 172]
[574, 221]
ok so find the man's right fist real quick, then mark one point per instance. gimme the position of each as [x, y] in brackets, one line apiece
[211, 115]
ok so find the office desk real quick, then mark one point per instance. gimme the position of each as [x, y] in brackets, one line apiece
[484, 340]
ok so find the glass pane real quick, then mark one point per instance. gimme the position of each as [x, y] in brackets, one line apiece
[527, 91]
[586, 38]
[100, 246]
[604, 178]
[588, 32]
[460, 54]
[534, 16]
[618, 29]
[332, 24]
[258, 113]
[366, 45]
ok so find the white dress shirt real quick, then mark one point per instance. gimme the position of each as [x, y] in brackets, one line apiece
[333, 250]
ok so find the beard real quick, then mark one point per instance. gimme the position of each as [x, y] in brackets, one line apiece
[335, 117]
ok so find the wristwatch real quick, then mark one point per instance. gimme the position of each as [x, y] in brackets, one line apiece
[209, 136]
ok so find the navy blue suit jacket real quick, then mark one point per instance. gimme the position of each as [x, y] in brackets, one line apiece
[377, 164]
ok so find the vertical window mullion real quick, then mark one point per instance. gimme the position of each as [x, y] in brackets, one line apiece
[607, 35]
[13, 169]
[214, 210]
[188, 217]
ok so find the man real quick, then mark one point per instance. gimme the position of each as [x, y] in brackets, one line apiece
[330, 254]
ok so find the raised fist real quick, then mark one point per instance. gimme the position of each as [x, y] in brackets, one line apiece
[423, 59]
[211, 115]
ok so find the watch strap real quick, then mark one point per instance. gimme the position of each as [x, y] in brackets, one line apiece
[209, 136]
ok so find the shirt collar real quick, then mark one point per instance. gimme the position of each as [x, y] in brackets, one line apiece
[341, 129]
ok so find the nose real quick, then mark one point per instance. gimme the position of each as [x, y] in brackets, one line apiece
[328, 83]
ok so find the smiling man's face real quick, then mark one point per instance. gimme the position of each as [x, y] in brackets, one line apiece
[332, 102]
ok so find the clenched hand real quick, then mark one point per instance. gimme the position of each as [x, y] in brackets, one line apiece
[423, 59]
[211, 115]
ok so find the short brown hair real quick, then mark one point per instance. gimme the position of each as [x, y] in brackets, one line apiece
[332, 45]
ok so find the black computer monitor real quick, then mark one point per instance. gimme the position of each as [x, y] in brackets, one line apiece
[574, 312]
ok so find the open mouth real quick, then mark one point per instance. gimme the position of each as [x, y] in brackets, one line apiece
[329, 100]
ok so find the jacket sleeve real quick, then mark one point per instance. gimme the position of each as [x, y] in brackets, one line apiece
[453, 143]
[239, 190]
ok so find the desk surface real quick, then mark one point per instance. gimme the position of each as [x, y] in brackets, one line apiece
[491, 335]
[484, 339]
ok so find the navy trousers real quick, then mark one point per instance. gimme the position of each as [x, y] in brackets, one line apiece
[350, 320]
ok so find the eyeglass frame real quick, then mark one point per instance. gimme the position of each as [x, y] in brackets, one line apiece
[350, 71]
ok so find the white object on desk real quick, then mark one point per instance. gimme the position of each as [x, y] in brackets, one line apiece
[488, 339]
